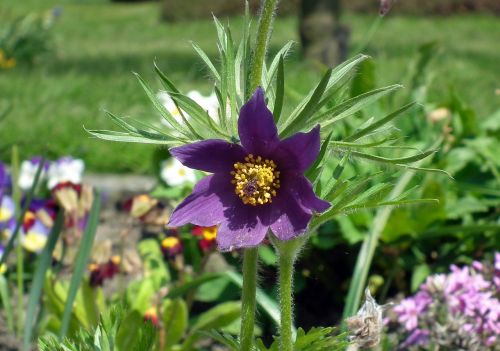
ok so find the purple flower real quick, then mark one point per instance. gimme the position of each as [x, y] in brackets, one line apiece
[5, 181]
[410, 308]
[256, 186]
[7, 210]
[417, 337]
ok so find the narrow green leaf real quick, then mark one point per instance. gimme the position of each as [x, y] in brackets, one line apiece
[175, 321]
[6, 302]
[401, 160]
[372, 205]
[351, 106]
[306, 108]
[81, 262]
[111, 135]
[163, 111]
[280, 55]
[207, 61]
[375, 125]
[280, 91]
[184, 288]
[43, 264]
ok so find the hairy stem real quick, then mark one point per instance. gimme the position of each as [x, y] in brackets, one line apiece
[263, 35]
[287, 253]
[286, 261]
[248, 298]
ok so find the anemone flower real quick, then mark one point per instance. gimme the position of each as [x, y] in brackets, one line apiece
[256, 186]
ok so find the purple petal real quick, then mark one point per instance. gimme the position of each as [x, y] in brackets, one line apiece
[299, 151]
[290, 218]
[301, 188]
[256, 127]
[245, 226]
[205, 206]
[209, 155]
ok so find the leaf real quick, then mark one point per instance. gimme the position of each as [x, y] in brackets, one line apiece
[401, 160]
[314, 171]
[375, 125]
[153, 262]
[218, 316]
[215, 318]
[298, 118]
[267, 255]
[420, 272]
[280, 91]
[6, 302]
[162, 109]
[207, 61]
[43, 264]
[111, 135]
[180, 290]
[81, 261]
[352, 106]
[175, 321]
[224, 339]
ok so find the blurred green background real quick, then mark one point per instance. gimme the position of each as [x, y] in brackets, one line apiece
[98, 43]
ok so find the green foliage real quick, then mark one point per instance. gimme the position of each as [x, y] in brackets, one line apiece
[316, 339]
[26, 38]
[81, 262]
[105, 336]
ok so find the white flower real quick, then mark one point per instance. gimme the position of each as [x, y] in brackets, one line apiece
[175, 173]
[28, 172]
[208, 103]
[64, 170]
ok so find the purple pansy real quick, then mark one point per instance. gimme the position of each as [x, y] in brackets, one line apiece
[5, 181]
[7, 210]
[256, 186]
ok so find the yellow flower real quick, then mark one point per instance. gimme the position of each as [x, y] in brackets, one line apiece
[3, 268]
[34, 242]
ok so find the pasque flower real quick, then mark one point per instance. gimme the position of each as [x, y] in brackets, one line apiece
[256, 186]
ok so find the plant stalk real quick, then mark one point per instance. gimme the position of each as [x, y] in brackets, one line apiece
[19, 249]
[286, 261]
[248, 298]
[287, 254]
[264, 32]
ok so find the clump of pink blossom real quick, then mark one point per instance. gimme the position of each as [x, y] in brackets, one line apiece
[455, 311]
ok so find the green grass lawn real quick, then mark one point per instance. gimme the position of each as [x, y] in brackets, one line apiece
[100, 43]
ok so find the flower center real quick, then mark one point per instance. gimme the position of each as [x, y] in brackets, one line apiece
[256, 180]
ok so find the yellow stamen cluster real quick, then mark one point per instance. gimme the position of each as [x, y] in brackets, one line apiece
[256, 180]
